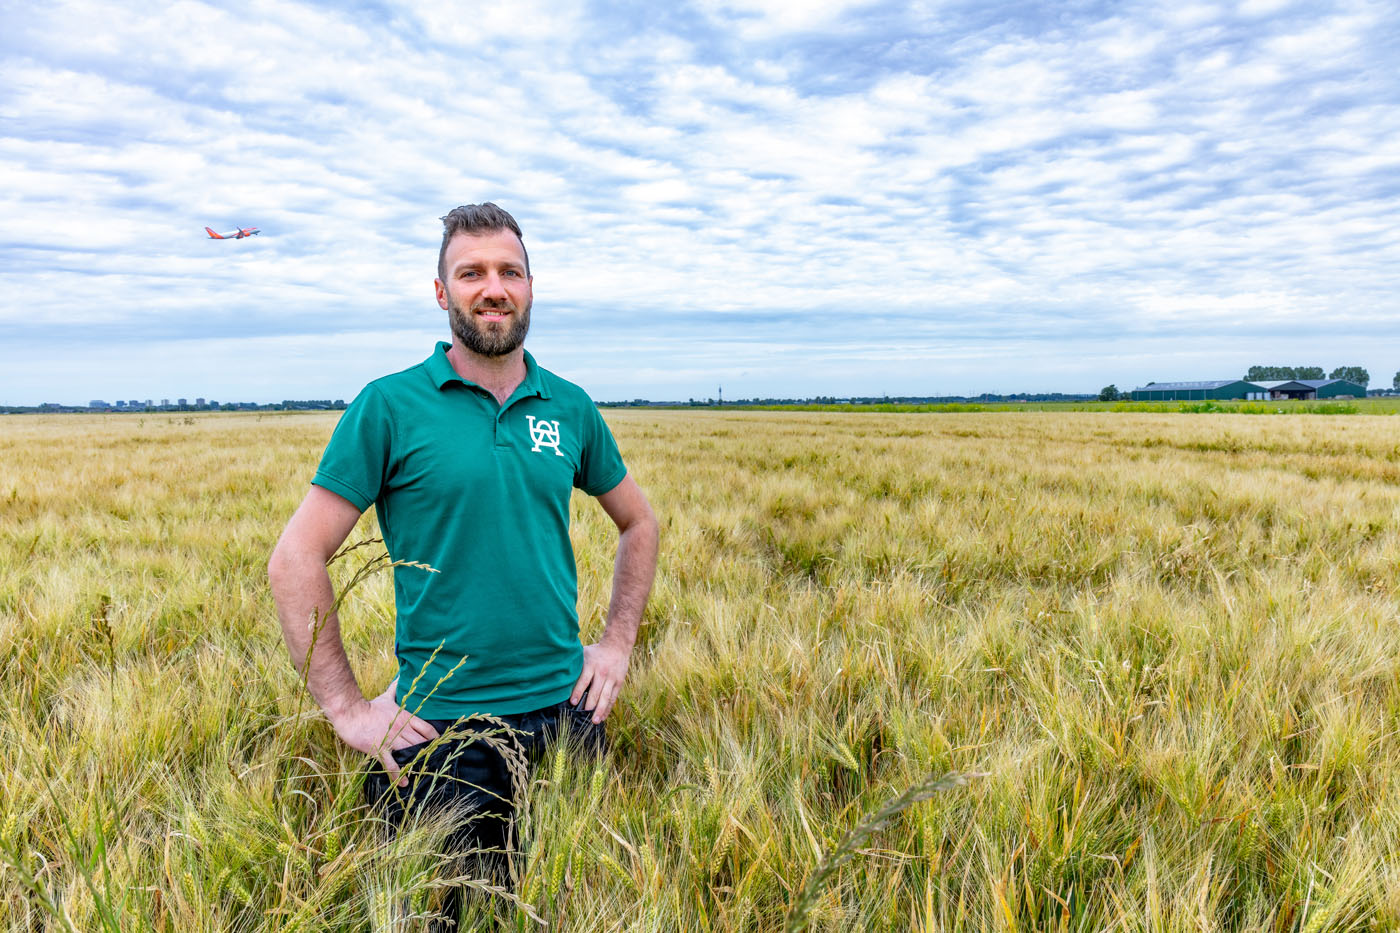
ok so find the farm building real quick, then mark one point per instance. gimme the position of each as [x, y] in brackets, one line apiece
[1312, 388]
[1197, 391]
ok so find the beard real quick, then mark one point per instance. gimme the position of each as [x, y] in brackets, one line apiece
[494, 338]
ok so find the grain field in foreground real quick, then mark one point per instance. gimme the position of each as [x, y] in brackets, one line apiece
[1168, 641]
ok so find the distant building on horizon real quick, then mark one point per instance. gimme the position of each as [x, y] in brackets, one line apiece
[1312, 389]
[1270, 391]
[1197, 391]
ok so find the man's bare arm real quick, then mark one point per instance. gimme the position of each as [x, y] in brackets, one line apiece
[301, 588]
[605, 663]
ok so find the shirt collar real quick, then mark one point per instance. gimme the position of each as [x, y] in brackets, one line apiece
[441, 371]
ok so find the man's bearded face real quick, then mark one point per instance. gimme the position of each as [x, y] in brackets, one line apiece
[491, 327]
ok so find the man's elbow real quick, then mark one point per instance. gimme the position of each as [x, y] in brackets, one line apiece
[277, 567]
[629, 509]
[644, 525]
[281, 566]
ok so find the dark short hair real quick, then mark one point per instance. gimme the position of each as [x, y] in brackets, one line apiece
[475, 220]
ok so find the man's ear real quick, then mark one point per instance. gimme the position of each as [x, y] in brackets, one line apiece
[441, 291]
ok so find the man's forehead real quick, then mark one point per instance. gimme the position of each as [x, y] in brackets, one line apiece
[493, 245]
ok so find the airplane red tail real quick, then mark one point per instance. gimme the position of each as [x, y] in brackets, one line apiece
[212, 234]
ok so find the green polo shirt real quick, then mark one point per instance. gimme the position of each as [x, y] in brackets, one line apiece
[480, 492]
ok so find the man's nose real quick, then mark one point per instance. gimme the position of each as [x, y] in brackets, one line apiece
[494, 287]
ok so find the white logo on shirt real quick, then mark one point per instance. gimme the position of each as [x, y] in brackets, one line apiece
[544, 434]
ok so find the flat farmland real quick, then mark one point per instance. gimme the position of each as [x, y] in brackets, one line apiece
[1160, 650]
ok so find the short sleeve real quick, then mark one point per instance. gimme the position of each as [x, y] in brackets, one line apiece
[600, 466]
[356, 464]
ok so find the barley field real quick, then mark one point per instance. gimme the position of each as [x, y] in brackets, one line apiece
[1155, 655]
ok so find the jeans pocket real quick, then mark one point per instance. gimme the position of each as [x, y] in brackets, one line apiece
[376, 782]
[403, 756]
[584, 733]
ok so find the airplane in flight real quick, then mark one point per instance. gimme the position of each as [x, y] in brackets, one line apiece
[232, 234]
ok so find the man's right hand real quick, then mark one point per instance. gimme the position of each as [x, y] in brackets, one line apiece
[378, 726]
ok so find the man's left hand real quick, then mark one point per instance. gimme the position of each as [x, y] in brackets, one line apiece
[604, 670]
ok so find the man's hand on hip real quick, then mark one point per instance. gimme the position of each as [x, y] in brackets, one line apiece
[377, 726]
[604, 670]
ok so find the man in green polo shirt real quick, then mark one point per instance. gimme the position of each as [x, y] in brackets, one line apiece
[470, 459]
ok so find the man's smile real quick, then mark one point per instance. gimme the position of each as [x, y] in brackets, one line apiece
[493, 314]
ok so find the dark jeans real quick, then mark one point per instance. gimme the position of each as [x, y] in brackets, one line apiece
[469, 773]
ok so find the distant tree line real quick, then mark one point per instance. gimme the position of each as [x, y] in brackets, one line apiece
[1356, 374]
[850, 400]
[1273, 373]
[138, 408]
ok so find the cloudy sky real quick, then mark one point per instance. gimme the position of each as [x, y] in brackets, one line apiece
[782, 197]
